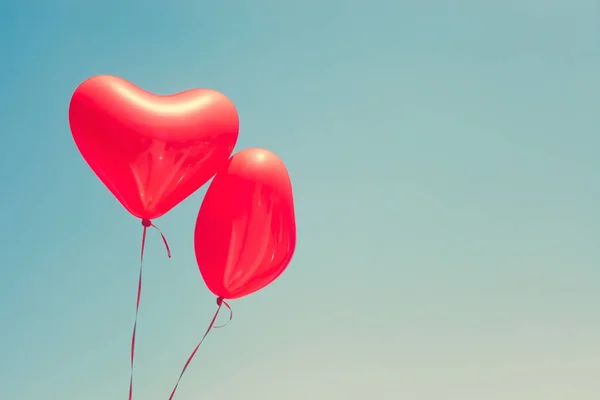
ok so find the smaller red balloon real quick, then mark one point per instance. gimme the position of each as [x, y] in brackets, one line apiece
[246, 229]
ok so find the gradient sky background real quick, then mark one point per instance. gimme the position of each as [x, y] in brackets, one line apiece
[444, 156]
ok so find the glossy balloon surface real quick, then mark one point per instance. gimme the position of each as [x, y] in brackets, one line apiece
[245, 233]
[151, 151]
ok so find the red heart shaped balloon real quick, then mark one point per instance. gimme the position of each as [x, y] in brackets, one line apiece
[245, 233]
[151, 151]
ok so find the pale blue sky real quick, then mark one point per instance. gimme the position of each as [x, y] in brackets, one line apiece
[444, 156]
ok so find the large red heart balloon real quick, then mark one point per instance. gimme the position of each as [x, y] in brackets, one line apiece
[151, 151]
[246, 229]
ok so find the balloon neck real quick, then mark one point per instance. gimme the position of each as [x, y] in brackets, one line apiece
[219, 301]
[146, 223]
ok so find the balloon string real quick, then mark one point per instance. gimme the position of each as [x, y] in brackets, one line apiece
[164, 239]
[146, 224]
[211, 326]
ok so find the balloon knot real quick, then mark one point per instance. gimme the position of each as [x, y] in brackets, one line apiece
[219, 301]
[146, 223]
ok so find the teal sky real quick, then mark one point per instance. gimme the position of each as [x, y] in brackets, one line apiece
[444, 157]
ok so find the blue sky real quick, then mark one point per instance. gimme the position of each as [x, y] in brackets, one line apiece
[444, 156]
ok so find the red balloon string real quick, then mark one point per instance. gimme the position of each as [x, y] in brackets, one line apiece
[146, 224]
[211, 326]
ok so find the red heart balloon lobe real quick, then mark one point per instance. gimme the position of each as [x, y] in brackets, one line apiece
[151, 151]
